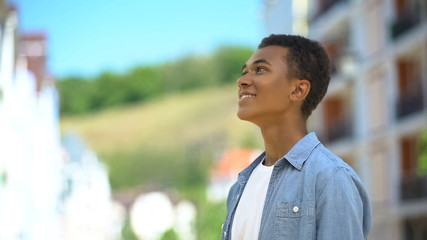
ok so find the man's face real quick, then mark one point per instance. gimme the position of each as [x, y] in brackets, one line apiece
[264, 86]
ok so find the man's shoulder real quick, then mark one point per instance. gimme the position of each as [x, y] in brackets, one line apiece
[323, 157]
[324, 164]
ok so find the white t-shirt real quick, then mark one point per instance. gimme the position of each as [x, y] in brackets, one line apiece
[247, 219]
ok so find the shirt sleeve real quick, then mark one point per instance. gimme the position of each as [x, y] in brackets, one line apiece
[343, 209]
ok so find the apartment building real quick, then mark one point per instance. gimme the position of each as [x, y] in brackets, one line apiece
[376, 107]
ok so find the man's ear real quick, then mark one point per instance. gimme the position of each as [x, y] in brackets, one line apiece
[300, 90]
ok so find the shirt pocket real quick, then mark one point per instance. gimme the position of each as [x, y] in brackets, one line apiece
[294, 221]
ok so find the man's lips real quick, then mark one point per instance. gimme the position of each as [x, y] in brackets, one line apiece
[247, 96]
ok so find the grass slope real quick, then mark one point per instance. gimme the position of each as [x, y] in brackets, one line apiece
[168, 141]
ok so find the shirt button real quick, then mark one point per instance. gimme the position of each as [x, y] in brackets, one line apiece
[295, 209]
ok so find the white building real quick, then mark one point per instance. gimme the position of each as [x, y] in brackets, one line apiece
[285, 17]
[375, 108]
[88, 211]
[33, 202]
[29, 143]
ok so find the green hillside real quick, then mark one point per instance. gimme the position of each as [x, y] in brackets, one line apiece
[167, 142]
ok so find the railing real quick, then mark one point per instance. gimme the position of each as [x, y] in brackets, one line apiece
[404, 23]
[344, 64]
[341, 130]
[413, 186]
[328, 4]
[333, 66]
[409, 103]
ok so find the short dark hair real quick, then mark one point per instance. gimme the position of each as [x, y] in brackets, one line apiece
[306, 59]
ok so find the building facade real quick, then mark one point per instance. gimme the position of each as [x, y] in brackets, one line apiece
[43, 196]
[375, 111]
[29, 141]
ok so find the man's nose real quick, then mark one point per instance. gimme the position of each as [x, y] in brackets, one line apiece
[244, 81]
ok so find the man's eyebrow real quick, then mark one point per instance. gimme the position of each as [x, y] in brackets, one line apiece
[262, 61]
[258, 61]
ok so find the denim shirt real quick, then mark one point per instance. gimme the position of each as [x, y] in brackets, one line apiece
[312, 194]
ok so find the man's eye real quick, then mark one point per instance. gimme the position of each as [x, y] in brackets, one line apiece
[243, 73]
[260, 69]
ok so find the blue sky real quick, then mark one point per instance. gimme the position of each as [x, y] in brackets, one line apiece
[89, 36]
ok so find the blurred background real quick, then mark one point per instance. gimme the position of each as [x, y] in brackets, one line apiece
[118, 118]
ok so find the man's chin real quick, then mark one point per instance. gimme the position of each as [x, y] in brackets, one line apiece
[242, 115]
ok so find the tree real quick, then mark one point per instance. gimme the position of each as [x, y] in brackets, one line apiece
[422, 154]
[79, 95]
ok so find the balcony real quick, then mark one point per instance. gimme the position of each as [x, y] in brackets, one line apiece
[324, 6]
[404, 23]
[340, 130]
[413, 186]
[333, 66]
[345, 64]
[414, 227]
[408, 104]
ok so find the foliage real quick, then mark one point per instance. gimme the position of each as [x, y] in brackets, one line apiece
[228, 62]
[127, 232]
[79, 95]
[422, 154]
[171, 168]
[75, 95]
[169, 142]
[170, 235]
[210, 219]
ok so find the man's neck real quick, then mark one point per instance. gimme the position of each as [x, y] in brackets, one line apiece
[280, 138]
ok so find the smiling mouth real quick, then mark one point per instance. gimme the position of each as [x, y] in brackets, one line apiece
[247, 96]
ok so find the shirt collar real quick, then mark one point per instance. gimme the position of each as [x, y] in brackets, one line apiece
[302, 150]
[244, 175]
[296, 156]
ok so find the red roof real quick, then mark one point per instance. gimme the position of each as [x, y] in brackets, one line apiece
[232, 162]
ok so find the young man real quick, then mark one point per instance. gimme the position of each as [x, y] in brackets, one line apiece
[296, 189]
